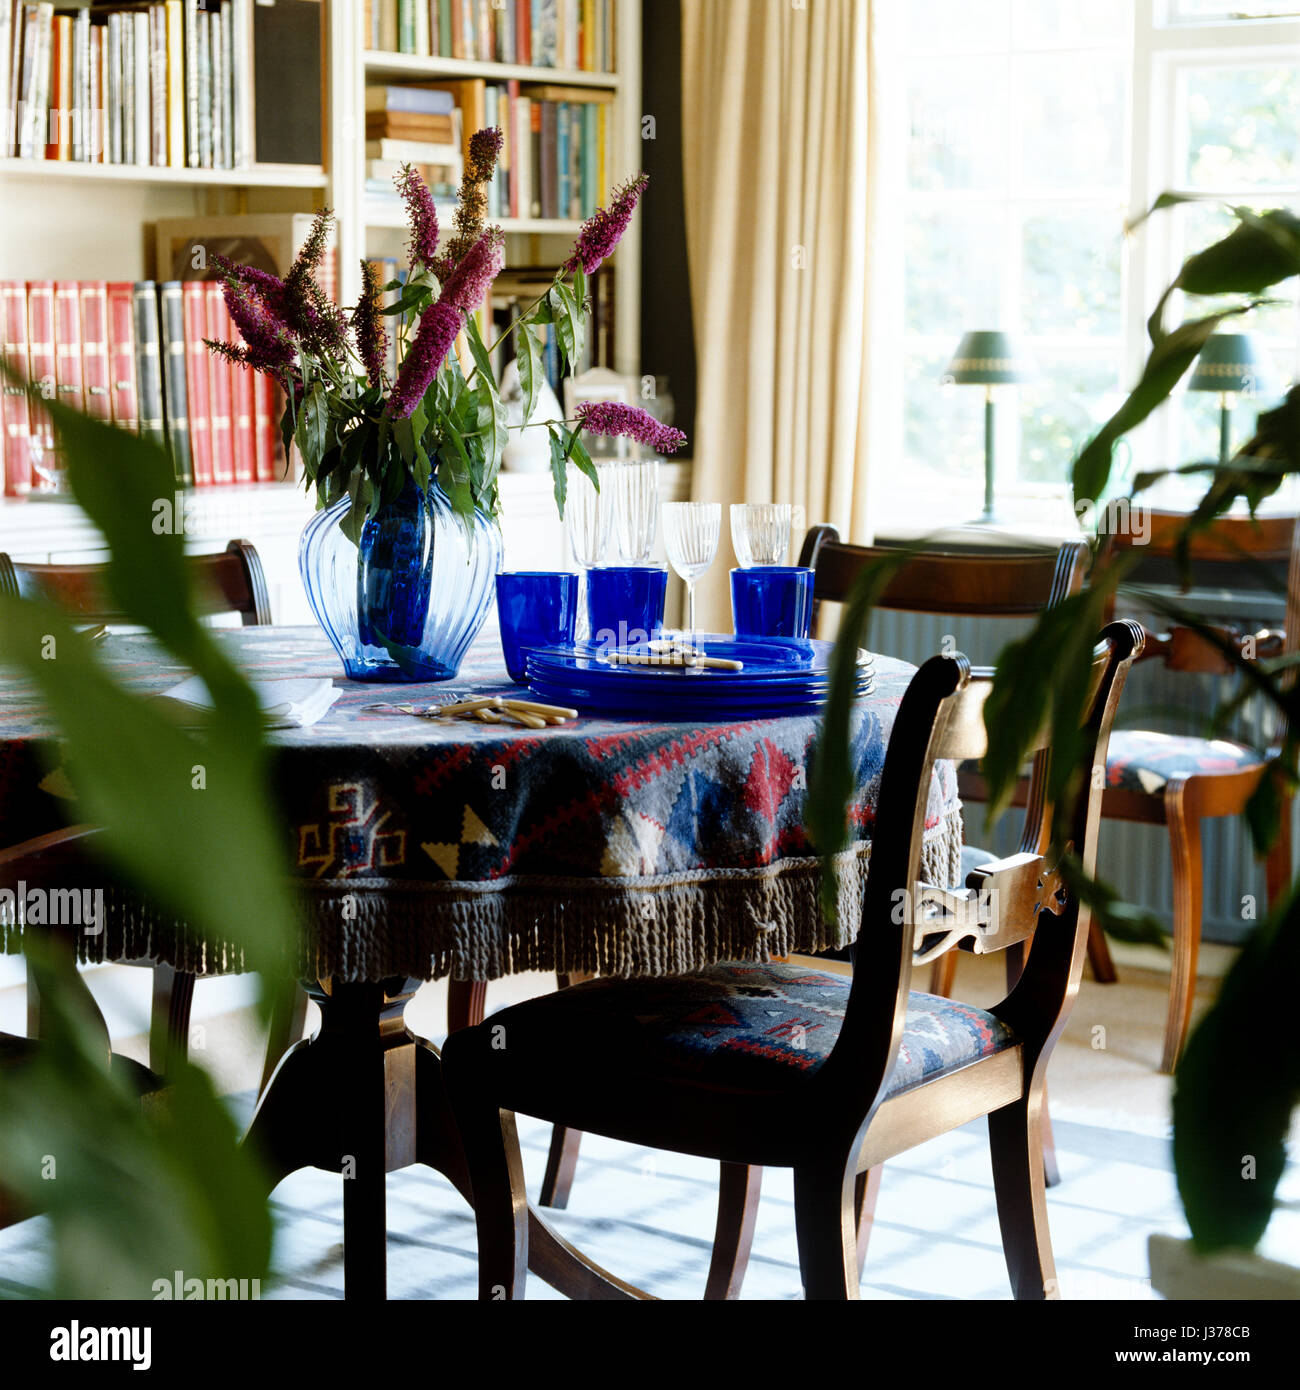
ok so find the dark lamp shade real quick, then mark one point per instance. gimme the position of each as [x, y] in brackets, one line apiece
[989, 359]
[1231, 362]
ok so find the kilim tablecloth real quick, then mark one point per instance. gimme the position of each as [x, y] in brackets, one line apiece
[431, 848]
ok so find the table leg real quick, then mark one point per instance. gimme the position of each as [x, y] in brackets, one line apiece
[365, 1097]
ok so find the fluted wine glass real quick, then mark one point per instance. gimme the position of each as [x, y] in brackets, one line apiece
[588, 516]
[635, 489]
[691, 531]
[760, 532]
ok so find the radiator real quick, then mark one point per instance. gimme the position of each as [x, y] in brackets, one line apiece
[1133, 858]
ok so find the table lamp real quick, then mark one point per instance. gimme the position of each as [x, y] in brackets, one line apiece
[988, 359]
[1231, 364]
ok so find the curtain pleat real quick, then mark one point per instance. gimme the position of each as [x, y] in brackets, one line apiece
[778, 107]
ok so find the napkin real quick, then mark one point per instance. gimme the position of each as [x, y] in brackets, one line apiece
[291, 704]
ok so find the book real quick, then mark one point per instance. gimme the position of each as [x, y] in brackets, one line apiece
[243, 420]
[227, 86]
[42, 368]
[8, 13]
[148, 361]
[268, 447]
[171, 323]
[427, 101]
[220, 385]
[13, 398]
[58, 140]
[242, 77]
[115, 94]
[34, 91]
[190, 36]
[157, 21]
[175, 41]
[94, 348]
[81, 108]
[416, 152]
[98, 131]
[387, 125]
[121, 354]
[470, 96]
[69, 386]
[143, 124]
[194, 312]
[203, 31]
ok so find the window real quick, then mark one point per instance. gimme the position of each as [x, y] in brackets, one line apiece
[1035, 128]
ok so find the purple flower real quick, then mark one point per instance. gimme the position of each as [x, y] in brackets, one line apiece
[471, 204]
[368, 326]
[467, 284]
[603, 230]
[423, 216]
[305, 306]
[439, 325]
[614, 418]
[268, 344]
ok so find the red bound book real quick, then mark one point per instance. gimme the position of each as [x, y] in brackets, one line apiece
[197, 385]
[123, 395]
[221, 385]
[67, 345]
[94, 348]
[41, 356]
[13, 400]
[524, 31]
[243, 428]
[265, 429]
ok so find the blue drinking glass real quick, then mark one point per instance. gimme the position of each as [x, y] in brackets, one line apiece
[625, 604]
[537, 608]
[772, 601]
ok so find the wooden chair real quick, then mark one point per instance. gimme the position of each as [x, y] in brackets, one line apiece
[1179, 780]
[979, 583]
[58, 861]
[231, 581]
[884, 1070]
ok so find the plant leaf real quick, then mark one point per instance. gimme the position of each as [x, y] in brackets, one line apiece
[559, 469]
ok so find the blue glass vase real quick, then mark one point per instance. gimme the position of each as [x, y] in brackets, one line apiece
[404, 604]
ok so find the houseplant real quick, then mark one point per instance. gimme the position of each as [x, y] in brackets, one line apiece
[1239, 1078]
[400, 560]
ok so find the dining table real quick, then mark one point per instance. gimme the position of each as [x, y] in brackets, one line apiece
[425, 848]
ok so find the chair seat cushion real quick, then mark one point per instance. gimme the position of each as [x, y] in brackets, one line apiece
[1142, 760]
[739, 1026]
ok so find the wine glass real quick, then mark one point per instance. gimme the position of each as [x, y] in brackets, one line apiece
[588, 515]
[635, 488]
[760, 532]
[691, 531]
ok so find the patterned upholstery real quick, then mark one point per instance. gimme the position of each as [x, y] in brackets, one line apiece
[1141, 760]
[744, 1026]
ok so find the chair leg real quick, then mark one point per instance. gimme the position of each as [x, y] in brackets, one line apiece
[739, 1187]
[169, 1023]
[562, 1160]
[825, 1228]
[1016, 1146]
[865, 1192]
[942, 974]
[466, 1003]
[1103, 967]
[491, 1144]
[287, 1025]
[1185, 850]
[1015, 964]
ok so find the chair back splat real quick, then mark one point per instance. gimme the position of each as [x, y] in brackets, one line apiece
[941, 716]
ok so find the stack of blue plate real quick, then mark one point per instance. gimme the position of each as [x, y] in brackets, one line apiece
[780, 676]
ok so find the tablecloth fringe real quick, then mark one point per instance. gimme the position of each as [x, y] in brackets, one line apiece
[667, 924]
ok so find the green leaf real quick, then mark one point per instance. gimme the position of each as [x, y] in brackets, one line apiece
[568, 323]
[528, 359]
[578, 452]
[1263, 251]
[1169, 359]
[580, 285]
[361, 490]
[313, 426]
[559, 469]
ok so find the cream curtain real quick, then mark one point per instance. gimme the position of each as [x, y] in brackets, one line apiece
[782, 171]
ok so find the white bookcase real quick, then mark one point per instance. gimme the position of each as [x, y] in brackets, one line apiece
[88, 221]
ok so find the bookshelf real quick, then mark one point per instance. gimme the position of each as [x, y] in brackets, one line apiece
[75, 221]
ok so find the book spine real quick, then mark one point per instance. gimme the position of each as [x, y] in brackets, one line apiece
[204, 29]
[13, 398]
[265, 434]
[388, 26]
[171, 317]
[8, 38]
[228, 85]
[81, 145]
[121, 355]
[97, 133]
[148, 361]
[143, 114]
[127, 57]
[37, 44]
[59, 139]
[173, 27]
[113, 67]
[537, 179]
[191, 46]
[42, 365]
[69, 386]
[242, 62]
[217, 61]
[196, 380]
[158, 86]
[517, 146]
[421, 18]
[524, 31]
[220, 385]
[563, 190]
[94, 349]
